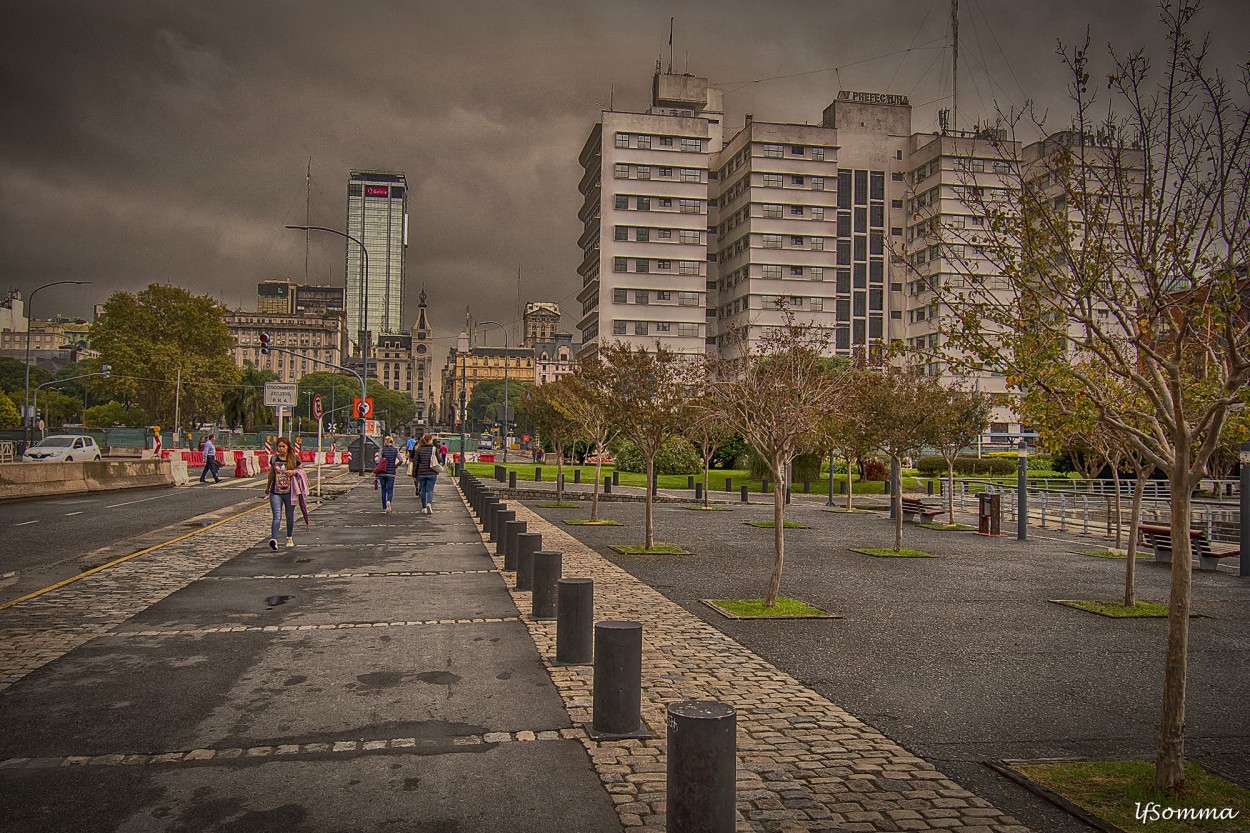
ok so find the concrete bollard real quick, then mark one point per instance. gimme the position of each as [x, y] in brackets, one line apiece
[702, 767]
[560, 483]
[575, 621]
[577, 475]
[729, 484]
[547, 565]
[490, 505]
[698, 491]
[502, 519]
[616, 478]
[538, 474]
[929, 484]
[511, 480]
[842, 486]
[527, 543]
[764, 486]
[807, 487]
[690, 482]
[492, 516]
[617, 706]
[500, 473]
[743, 491]
[511, 529]
[607, 485]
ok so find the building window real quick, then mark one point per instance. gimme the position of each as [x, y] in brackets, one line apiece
[622, 140]
[818, 244]
[640, 328]
[772, 241]
[642, 235]
[620, 171]
[796, 211]
[688, 299]
[818, 154]
[688, 330]
[666, 173]
[662, 326]
[664, 265]
[666, 142]
[773, 151]
[644, 203]
[666, 202]
[641, 296]
[818, 183]
[622, 202]
[817, 273]
[620, 296]
[688, 236]
[818, 304]
[796, 271]
[664, 233]
[796, 180]
[688, 267]
[772, 211]
[818, 213]
[796, 240]
[771, 271]
[663, 295]
[642, 265]
[644, 142]
[620, 233]
[690, 175]
[618, 329]
[772, 180]
[619, 264]
[690, 145]
[691, 206]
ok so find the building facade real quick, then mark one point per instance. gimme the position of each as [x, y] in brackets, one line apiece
[324, 339]
[377, 216]
[540, 321]
[480, 364]
[424, 392]
[286, 297]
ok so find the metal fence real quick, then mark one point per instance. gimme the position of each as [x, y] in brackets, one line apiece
[1088, 506]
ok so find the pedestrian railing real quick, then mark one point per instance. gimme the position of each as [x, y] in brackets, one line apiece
[8, 451]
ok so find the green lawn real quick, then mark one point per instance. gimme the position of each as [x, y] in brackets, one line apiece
[565, 505]
[949, 527]
[1116, 610]
[786, 608]
[889, 552]
[773, 524]
[1119, 792]
[1114, 554]
[588, 522]
[658, 549]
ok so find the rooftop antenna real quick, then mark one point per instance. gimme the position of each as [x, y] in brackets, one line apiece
[670, 45]
[955, 63]
[520, 311]
[307, 213]
[611, 98]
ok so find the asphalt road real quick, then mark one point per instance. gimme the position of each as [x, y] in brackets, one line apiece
[49, 539]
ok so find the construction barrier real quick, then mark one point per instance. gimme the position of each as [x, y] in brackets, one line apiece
[178, 470]
[38, 479]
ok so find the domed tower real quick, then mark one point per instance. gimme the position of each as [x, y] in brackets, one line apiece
[423, 365]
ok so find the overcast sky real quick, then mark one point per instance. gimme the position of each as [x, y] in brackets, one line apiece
[168, 141]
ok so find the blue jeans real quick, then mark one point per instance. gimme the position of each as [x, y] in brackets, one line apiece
[210, 467]
[425, 488]
[276, 503]
[387, 485]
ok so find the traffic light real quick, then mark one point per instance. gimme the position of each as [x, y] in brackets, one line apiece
[264, 344]
[105, 370]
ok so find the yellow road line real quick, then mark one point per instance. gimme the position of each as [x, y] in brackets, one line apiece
[116, 561]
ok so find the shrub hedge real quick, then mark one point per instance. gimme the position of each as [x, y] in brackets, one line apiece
[934, 466]
[675, 457]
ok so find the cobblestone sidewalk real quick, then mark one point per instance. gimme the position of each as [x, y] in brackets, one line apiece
[803, 763]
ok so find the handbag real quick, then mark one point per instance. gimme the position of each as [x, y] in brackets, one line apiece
[437, 466]
[380, 468]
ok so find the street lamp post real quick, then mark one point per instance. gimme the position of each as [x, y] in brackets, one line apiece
[1022, 490]
[27, 416]
[462, 347]
[364, 321]
[505, 383]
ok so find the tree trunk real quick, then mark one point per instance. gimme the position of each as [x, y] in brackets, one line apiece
[1134, 521]
[850, 488]
[950, 488]
[779, 536]
[650, 517]
[1119, 515]
[707, 467]
[1170, 751]
[897, 499]
[594, 497]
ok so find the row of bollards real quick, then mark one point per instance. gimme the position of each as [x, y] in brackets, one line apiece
[702, 735]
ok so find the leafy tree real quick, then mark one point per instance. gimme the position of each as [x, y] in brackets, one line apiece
[844, 431]
[114, 414]
[730, 451]
[337, 392]
[647, 394]
[707, 431]
[152, 336]
[778, 399]
[961, 419]
[904, 412]
[586, 400]
[1131, 257]
[542, 408]
[486, 402]
[244, 404]
[397, 405]
[13, 377]
[10, 414]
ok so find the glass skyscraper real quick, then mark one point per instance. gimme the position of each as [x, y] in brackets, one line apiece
[377, 215]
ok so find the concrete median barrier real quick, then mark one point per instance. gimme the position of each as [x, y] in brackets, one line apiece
[41, 479]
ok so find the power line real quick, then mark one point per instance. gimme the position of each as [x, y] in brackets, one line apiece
[742, 84]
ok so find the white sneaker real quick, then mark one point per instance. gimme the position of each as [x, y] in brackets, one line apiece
[429, 510]
[273, 544]
[290, 542]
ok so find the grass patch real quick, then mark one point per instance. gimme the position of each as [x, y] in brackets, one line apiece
[589, 522]
[773, 524]
[786, 608]
[709, 508]
[565, 505]
[658, 549]
[1116, 610]
[949, 527]
[848, 511]
[1113, 554]
[888, 552]
[1113, 791]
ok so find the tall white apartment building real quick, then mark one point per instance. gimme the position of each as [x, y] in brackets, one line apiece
[645, 265]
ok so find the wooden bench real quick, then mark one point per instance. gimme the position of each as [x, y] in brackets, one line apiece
[1159, 539]
[915, 508]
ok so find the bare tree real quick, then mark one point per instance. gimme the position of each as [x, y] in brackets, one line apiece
[586, 400]
[1123, 242]
[648, 393]
[707, 431]
[777, 399]
[963, 415]
[542, 407]
[845, 431]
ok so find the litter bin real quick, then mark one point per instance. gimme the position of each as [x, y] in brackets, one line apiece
[989, 513]
[371, 452]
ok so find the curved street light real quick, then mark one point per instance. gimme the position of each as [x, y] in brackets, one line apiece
[30, 318]
[364, 320]
[505, 382]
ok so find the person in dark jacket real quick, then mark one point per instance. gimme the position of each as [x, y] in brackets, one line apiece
[389, 455]
[425, 473]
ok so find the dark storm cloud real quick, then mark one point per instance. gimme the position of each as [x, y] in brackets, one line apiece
[147, 141]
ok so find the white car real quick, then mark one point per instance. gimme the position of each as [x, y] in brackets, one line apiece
[64, 449]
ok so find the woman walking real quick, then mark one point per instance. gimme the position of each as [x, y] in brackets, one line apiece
[425, 471]
[284, 470]
[386, 475]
